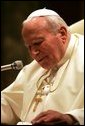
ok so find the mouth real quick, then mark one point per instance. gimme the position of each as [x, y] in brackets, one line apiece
[41, 59]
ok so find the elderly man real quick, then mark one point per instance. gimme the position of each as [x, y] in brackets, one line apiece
[50, 89]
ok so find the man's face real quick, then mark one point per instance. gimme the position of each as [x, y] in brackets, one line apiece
[44, 46]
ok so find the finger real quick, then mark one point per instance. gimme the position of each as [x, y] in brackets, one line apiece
[39, 116]
[40, 120]
[50, 118]
[44, 119]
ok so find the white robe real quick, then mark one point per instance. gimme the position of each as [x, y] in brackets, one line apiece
[17, 99]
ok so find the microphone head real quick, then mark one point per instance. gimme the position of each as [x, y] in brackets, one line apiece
[17, 65]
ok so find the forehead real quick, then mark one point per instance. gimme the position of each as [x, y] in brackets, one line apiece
[35, 23]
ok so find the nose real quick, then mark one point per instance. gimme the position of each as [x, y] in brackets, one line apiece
[35, 51]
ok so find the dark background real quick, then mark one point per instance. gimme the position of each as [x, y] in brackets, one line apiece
[12, 15]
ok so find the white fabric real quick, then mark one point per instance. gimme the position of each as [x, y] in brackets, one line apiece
[24, 123]
[42, 12]
[77, 27]
[17, 99]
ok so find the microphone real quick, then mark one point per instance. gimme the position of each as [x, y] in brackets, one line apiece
[17, 65]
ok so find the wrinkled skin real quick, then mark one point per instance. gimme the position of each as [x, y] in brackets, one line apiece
[53, 117]
[43, 45]
[47, 49]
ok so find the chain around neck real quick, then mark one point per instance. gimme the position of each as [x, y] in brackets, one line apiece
[49, 76]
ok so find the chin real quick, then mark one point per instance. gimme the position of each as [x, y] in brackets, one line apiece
[47, 67]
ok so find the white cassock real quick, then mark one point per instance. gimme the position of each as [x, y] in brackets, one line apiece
[67, 94]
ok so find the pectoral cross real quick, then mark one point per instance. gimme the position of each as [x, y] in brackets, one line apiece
[38, 99]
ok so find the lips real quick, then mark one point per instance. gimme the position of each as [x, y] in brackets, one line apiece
[39, 60]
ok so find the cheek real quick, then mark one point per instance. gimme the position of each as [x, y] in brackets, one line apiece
[51, 51]
[46, 48]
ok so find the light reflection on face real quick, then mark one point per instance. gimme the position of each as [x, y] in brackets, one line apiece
[44, 46]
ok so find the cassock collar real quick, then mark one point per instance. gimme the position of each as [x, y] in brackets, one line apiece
[69, 50]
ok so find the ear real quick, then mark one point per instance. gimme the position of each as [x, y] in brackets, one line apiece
[63, 33]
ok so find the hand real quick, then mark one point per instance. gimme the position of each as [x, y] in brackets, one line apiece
[53, 117]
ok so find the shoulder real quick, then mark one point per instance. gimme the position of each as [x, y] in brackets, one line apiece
[80, 52]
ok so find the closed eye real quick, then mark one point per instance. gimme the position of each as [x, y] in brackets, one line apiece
[34, 43]
[38, 41]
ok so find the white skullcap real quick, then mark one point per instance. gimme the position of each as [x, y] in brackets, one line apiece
[42, 12]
